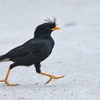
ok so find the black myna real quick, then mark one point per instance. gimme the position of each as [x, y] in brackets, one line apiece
[34, 51]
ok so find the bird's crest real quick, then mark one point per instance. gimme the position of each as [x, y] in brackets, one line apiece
[51, 22]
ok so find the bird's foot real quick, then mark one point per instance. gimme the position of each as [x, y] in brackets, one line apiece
[53, 77]
[7, 83]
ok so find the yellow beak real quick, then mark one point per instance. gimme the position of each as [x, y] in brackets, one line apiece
[55, 28]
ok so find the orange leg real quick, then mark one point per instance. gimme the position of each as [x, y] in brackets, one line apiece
[6, 79]
[51, 77]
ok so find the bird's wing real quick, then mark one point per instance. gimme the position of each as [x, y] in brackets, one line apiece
[27, 48]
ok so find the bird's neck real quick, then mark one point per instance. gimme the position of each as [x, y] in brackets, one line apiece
[42, 35]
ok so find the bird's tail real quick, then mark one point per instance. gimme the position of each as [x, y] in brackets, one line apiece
[3, 58]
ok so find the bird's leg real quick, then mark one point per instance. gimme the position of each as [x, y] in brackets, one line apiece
[38, 70]
[51, 77]
[6, 79]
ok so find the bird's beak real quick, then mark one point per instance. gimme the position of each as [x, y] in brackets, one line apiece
[55, 28]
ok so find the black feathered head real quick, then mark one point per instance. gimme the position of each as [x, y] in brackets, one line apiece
[46, 27]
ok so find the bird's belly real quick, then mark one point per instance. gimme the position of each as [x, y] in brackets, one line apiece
[43, 55]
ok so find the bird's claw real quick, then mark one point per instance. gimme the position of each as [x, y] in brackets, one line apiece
[8, 84]
[53, 77]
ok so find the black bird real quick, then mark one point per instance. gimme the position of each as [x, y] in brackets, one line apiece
[34, 51]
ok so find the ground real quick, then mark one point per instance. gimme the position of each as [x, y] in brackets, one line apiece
[76, 53]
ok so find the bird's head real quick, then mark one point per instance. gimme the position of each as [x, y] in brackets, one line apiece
[46, 28]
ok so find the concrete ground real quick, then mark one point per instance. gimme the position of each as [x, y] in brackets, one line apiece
[76, 53]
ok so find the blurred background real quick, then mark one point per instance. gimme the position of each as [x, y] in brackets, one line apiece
[77, 51]
[25, 15]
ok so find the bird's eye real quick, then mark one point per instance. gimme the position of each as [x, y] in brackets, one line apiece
[47, 28]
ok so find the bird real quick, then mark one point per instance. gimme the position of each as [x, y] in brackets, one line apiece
[33, 51]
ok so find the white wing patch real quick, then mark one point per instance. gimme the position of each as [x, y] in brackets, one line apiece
[5, 60]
